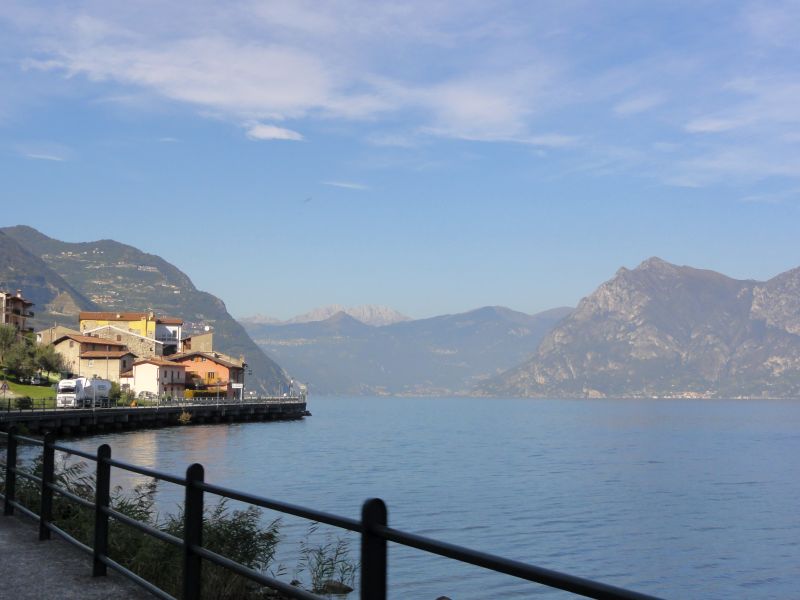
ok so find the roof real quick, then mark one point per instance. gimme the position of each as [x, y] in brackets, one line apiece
[159, 361]
[106, 353]
[216, 357]
[88, 339]
[18, 297]
[126, 375]
[125, 332]
[169, 321]
[112, 316]
[127, 316]
[55, 328]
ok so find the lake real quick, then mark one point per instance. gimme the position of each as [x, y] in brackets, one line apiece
[678, 498]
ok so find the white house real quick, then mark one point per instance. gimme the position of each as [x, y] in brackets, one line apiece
[169, 332]
[155, 376]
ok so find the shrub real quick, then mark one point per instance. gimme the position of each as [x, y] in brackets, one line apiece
[236, 534]
[326, 561]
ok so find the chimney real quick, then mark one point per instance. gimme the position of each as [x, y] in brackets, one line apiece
[19, 293]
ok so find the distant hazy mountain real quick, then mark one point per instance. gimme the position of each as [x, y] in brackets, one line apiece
[107, 275]
[666, 330]
[369, 314]
[440, 355]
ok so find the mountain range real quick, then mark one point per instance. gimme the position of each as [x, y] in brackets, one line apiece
[658, 330]
[64, 278]
[367, 313]
[666, 330]
[441, 355]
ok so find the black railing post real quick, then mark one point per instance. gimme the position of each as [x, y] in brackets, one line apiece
[373, 551]
[11, 475]
[102, 498]
[192, 532]
[48, 474]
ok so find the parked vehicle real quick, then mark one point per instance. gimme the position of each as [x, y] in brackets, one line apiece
[83, 392]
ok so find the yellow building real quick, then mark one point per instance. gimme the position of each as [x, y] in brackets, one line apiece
[146, 324]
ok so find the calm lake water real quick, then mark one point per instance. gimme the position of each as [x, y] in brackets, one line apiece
[680, 499]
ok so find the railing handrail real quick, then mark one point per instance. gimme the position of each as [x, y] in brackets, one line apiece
[373, 527]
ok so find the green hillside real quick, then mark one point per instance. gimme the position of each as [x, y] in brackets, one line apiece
[112, 276]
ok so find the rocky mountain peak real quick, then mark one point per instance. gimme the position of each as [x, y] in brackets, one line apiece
[369, 314]
[663, 330]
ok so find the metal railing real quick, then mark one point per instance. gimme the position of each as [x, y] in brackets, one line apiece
[373, 528]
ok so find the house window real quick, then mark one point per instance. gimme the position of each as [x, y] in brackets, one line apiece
[71, 343]
[119, 338]
[91, 362]
[202, 359]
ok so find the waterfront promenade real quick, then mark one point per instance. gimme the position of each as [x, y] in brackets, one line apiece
[32, 570]
[70, 421]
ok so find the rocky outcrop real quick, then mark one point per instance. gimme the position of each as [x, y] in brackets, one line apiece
[667, 330]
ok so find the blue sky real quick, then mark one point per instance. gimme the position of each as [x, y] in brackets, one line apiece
[430, 156]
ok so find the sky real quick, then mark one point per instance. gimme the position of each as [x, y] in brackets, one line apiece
[430, 156]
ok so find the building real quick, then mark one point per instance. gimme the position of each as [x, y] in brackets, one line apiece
[51, 334]
[155, 377]
[213, 372]
[141, 346]
[200, 342]
[146, 324]
[15, 310]
[89, 356]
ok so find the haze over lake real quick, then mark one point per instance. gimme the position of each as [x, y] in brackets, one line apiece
[680, 498]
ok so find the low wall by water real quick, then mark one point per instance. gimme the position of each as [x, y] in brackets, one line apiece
[87, 420]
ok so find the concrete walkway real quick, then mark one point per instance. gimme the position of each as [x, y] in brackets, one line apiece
[34, 570]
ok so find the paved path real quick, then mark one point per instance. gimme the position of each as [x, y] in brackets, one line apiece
[34, 570]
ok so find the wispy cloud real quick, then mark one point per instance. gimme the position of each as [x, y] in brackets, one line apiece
[780, 197]
[406, 75]
[348, 185]
[35, 156]
[262, 131]
[638, 104]
[44, 150]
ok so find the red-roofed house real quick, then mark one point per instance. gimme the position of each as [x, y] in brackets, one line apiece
[215, 372]
[89, 356]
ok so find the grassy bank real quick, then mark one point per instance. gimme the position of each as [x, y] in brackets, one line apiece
[35, 392]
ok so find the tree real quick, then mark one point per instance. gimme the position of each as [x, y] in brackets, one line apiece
[48, 360]
[8, 337]
[19, 360]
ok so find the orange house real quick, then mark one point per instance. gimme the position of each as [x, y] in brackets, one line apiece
[213, 372]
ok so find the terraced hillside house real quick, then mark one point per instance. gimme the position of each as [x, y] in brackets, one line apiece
[90, 356]
[15, 310]
[166, 330]
[155, 376]
[213, 372]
